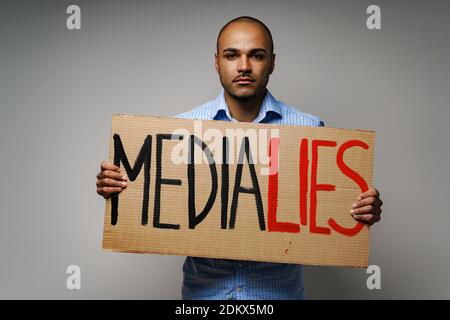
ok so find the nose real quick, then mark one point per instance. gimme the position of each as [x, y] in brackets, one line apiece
[244, 65]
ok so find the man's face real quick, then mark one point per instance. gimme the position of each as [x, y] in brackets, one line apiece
[244, 60]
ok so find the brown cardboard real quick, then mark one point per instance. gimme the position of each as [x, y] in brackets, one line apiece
[246, 241]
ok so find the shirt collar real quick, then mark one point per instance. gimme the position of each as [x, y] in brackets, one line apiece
[270, 108]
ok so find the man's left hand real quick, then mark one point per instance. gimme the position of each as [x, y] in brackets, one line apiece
[367, 208]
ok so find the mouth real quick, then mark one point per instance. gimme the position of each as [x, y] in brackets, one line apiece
[244, 80]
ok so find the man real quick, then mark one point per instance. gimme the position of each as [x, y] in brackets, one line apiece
[244, 62]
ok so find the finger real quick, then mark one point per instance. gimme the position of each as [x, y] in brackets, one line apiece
[107, 191]
[367, 218]
[112, 175]
[369, 193]
[366, 209]
[367, 201]
[106, 182]
[106, 165]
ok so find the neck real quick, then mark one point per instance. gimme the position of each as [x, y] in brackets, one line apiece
[244, 110]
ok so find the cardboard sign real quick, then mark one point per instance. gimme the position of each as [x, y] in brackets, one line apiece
[239, 191]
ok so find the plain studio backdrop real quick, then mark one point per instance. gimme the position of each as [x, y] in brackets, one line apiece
[59, 88]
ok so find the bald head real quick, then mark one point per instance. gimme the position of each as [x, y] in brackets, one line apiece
[247, 19]
[244, 60]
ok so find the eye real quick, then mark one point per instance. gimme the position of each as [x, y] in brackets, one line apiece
[230, 55]
[258, 56]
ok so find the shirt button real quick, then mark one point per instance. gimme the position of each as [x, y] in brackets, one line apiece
[238, 289]
[240, 265]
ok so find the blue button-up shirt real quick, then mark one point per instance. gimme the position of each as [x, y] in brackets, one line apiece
[205, 278]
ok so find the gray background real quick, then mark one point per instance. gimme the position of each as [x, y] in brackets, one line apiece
[58, 89]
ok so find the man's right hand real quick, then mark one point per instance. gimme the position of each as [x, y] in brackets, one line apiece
[110, 180]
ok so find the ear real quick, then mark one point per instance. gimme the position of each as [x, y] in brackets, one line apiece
[216, 62]
[272, 66]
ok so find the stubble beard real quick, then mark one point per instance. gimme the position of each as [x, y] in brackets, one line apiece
[241, 98]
